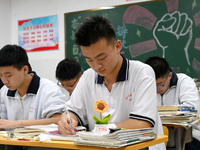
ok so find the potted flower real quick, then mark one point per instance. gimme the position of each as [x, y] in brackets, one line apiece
[101, 124]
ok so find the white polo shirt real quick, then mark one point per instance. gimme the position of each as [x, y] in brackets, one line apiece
[132, 96]
[182, 90]
[42, 100]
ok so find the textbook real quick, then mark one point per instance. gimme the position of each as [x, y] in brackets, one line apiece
[31, 131]
[36, 130]
[176, 108]
[116, 139]
[167, 108]
[27, 132]
[177, 114]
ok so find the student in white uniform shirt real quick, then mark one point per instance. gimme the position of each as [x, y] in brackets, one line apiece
[26, 99]
[68, 73]
[128, 87]
[175, 89]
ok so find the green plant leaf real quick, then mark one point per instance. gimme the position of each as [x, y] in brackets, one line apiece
[96, 119]
[106, 119]
[97, 122]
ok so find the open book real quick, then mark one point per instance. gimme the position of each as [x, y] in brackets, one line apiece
[49, 132]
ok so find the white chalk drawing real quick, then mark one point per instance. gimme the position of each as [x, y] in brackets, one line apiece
[194, 4]
[138, 33]
[172, 23]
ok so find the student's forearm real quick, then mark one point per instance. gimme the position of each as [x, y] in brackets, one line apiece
[54, 119]
[133, 124]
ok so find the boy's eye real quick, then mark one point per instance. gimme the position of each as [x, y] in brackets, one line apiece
[103, 58]
[89, 60]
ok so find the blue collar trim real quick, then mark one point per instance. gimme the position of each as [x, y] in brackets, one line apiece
[33, 87]
[123, 72]
[174, 79]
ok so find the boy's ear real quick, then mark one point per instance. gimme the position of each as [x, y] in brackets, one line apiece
[26, 68]
[118, 45]
[170, 75]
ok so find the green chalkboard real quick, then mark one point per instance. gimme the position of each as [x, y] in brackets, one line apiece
[170, 29]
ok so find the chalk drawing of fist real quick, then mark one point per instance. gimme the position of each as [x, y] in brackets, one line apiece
[173, 32]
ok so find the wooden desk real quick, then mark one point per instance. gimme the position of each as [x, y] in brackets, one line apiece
[70, 145]
[182, 134]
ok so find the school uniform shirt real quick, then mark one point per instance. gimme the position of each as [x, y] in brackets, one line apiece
[42, 100]
[133, 96]
[182, 91]
[66, 93]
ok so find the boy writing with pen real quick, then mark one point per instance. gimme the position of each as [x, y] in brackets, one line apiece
[128, 87]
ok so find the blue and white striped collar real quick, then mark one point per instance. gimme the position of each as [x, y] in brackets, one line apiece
[174, 79]
[33, 87]
[123, 72]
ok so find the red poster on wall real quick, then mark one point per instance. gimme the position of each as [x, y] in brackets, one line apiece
[38, 34]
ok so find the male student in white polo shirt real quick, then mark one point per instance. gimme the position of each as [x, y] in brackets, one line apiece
[68, 73]
[175, 89]
[26, 99]
[128, 87]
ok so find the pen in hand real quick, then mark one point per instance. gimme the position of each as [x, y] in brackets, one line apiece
[68, 116]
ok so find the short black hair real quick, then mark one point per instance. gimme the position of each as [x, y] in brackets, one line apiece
[29, 67]
[94, 28]
[1, 84]
[13, 55]
[68, 69]
[159, 65]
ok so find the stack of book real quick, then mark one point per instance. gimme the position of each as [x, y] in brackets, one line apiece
[27, 132]
[177, 114]
[116, 139]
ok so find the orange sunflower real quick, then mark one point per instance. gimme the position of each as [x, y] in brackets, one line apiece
[101, 107]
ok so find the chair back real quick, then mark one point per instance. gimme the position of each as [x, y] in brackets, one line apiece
[166, 132]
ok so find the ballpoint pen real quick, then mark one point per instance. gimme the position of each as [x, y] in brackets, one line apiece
[68, 116]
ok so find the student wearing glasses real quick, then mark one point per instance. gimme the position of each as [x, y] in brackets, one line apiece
[175, 89]
[68, 73]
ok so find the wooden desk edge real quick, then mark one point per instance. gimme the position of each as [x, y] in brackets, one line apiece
[70, 145]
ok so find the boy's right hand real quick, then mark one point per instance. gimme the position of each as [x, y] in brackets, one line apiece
[63, 126]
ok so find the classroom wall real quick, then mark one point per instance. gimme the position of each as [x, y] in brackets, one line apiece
[45, 62]
[5, 22]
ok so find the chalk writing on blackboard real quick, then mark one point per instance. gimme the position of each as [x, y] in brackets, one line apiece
[168, 29]
[172, 32]
[121, 32]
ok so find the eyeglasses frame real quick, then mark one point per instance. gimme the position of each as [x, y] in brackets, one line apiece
[69, 86]
[162, 86]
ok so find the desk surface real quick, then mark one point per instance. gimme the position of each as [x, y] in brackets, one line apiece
[177, 125]
[70, 145]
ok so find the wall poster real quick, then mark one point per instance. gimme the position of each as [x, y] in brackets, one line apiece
[38, 34]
